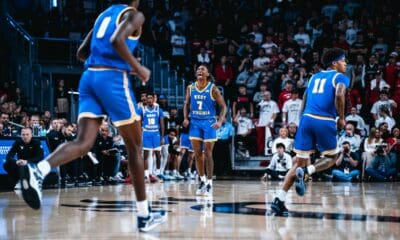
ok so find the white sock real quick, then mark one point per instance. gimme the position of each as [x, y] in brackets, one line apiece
[44, 167]
[209, 181]
[203, 178]
[158, 172]
[174, 172]
[281, 195]
[311, 169]
[143, 208]
[146, 173]
[188, 170]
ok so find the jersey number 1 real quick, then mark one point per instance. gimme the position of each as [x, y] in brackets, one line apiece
[319, 85]
[103, 26]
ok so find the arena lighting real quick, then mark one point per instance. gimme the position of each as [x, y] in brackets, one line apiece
[53, 3]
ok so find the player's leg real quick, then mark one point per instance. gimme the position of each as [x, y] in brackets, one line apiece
[208, 150]
[131, 134]
[146, 154]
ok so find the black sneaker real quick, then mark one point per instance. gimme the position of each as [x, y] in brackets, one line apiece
[278, 208]
[154, 219]
[201, 189]
[31, 182]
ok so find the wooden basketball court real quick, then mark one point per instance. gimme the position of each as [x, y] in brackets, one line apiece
[237, 210]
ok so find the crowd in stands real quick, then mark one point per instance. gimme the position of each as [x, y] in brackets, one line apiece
[262, 57]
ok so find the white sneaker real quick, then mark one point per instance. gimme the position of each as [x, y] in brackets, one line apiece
[201, 189]
[18, 186]
[154, 219]
[208, 192]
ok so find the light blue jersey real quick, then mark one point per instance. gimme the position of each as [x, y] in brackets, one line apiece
[151, 118]
[202, 103]
[102, 52]
[321, 93]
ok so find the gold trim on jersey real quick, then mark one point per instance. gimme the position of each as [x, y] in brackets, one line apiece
[134, 117]
[211, 140]
[320, 117]
[195, 138]
[90, 115]
[303, 154]
[195, 86]
[330, 152]
[211, 92]
[118, 21]
[105, 69]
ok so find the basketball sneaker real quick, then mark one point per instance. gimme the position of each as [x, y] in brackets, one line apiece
[300, 183]
[209, 191]
[278, 208]
[154, 219]
[201, 189]
[31, 181]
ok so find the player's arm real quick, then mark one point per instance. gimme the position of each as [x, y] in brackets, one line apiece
[303, 102]
[84, 49]
[131, 22]
[222, 106]
[340, 103]
[186, 106]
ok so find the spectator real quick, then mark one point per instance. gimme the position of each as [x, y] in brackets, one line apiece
[220, 41]
[302, 37]
[261, 63]
[285, 94]
[61, 97]
[292, 129]
[27, 149]
[243, 138]
[280, 164]
[283, 138]
[370, 144]
[359, 47]
[291, 109]
[353, 139]
[242, 100]
[383, 101]
[268, 110]
[224, 76]
[178, 57]
[259, 96]
[379, 84]
[160, 33]
[357, 120]
[222, 147]
[384, 117]
[268, 44]
[346, 165]
[202, 58]
[394, 142]
[383, 167]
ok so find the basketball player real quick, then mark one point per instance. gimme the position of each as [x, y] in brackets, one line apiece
[323, 100]
[186, 145]
[105, 90]
[153, 132]
[200, 107]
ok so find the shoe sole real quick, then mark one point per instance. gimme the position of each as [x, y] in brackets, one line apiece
[29, 194]
[300, 185]
[156, 223]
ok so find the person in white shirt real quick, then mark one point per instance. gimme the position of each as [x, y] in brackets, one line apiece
[268, 110]
[384, 117]
[291, 110]
[244, 130]
[268, 45]
[279, 165]
[383, 101]
[353, 139]
[370, 144]
[283, 138]
[262, 61]
[379, 83]
[302, 35]
[360, 123]
[178, 43]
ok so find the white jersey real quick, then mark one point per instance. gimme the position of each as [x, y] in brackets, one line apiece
[244, 125]
[267, 109]
[293, 110]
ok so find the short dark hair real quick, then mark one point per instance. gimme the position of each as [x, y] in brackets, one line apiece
[278, 145]
[330, 55]
[346, 142]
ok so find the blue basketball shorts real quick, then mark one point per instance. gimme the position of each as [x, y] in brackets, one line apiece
[201, 129]
[151, 140]
[316, 132]
[104, 91]
[185, 142]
